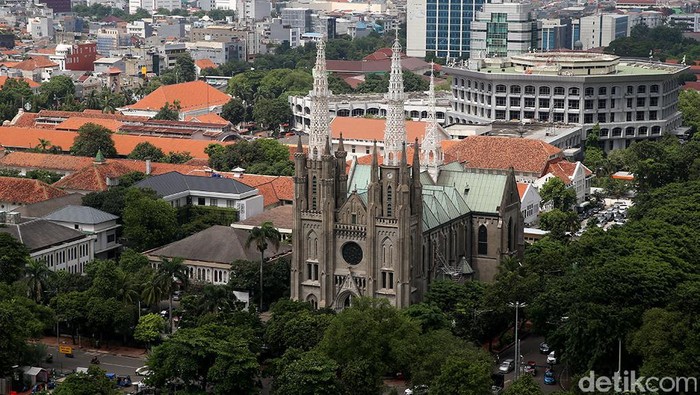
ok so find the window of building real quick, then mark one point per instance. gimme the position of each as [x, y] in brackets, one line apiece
[515, 89]
[573, 118]
[500, 89]
[544, 103]
[529, 102]
[629, 102]
[642, 89]
[641, 101]
[483, 240]
[76, 226]
[654, 89]
[613, 90]
[573, 104]
[529, 115]
[500, 114]
[630, 89]
[653, 101]
[602, 103]
[640, 115]
[616, 132]
[602, 91]
[543, 116]
[588, 104]
[602, 118]
[500, 101]
[653, 115]
[389, 202]
[573, 91]
[558, 117]
[514, 115]
[590, 91]
[628, 116]
[515, 102]
[559, 91]
[642, 131]
[111, 237]
[655, 129]
[529, 90]
[558, 103]
[312, 271]
[544, 90]
[629, 131]
[201, 201]
[588, 118]
[213, 202]
[313, 193]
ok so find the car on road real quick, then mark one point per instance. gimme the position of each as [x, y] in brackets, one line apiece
[549, 378]
[507, 365]
[531, 368]
[544, 348]
[552, 358]
[417, 390]
[143, 371]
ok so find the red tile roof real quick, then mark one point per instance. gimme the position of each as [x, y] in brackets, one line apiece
[371, 129]
[205, 64]
[36, 62]
[36, 160]
[26, 119]
[493, 152]
[26, 191]
[32, 84]
[272, 188]
[564, 170]
[92, 114]
[522, 188]
[208, 118]
[27, 138]
[190, 95]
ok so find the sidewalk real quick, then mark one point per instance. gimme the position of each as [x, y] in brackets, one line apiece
[113, 350]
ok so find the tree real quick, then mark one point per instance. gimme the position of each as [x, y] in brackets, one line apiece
[525, 385]
[46, 176]
[295, 326]
[312, 374]
[92, 138]
[261, 236]
[169, 112]
[146, 150]
[234, 111]
[689, 105]
[58, 89]
[148, 221]
[276, 279]
[209, 356]
[171, 274]
[149, 328]
[184, 66]
[463, 376]
[554, 191]
[36, 275]
[94, 382]
[559, 223]
[13, 257]
[271, 113]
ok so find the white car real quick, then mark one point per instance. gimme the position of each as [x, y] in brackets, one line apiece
[143, 371]
[551, 358]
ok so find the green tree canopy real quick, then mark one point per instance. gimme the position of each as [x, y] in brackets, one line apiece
[312, 374]
[149, 328]
[270, 113]
[13, 256]
[148, 221]
[524, 385]
[262, 156]
[92, 138]
[169, 112]
[146, 150]
[94, 382]
[234, 111]
[555, 192]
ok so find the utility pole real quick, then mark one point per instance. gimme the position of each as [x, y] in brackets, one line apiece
[517, 306]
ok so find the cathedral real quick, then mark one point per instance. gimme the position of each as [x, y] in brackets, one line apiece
[390, 228]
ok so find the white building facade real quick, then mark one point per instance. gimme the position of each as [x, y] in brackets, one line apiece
[504, 29]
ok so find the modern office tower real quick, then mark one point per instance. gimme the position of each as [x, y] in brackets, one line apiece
[504, 29]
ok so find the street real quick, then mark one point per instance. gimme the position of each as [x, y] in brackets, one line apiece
[531, 352]
[120, 365]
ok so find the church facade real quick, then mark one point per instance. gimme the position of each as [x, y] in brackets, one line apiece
[390, 228]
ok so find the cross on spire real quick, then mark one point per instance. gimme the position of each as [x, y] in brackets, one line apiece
[319, 130]
[395, 129]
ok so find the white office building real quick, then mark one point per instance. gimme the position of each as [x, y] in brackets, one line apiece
[504, 29]
[630, 99]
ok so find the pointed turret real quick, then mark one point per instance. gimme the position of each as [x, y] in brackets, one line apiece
[415, 166]
[300, 148]
[327, 147]
[403, 170]
[375, 165]
[340, 143]
[432, 150]
[395, 129]
[99, 157]
[319, 129]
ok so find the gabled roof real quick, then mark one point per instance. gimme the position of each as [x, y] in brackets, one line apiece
[483, 192]
[81, 215]
[565, 170]
[40, 209]
[94, 177]
[191, 95]
[274, 189]
[74, 123]
[205, 64]
[36, 62]
[218, 244]
[208, 118]
[502, 153]
[172, 183]
[282, 217]
[36, 160]
[372, 129]
[522, 188]
[26, 191]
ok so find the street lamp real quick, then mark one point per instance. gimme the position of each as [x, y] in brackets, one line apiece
[517, 306]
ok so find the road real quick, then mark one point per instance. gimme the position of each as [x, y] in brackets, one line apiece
[120, 365]
[530, 350]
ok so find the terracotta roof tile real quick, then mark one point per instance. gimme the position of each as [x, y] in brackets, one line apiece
[191, 95]
[27, 138]
[205, 64]
[26, 191]
[36, 62]
[371, 129]
[522, 188]
[208, 118]
[493, 152]
[26, 119]
[32, 84]
[273, 189]
[564, 170]
[35, 160]
[92, 114]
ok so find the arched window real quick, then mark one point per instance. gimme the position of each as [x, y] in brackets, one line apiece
[483, 242]
[511, 247]
[312, 301]
[313, 193]
[389, 202]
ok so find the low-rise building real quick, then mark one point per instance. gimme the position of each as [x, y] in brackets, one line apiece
[530, 202]
[17, 192]
[194, 98]
[91, 221]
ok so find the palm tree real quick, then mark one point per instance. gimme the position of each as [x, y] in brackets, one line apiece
[36, 276]
[170, 273]
[43, 145]
[125, 293]
[216, 298]
[151, 293]
[261, 236]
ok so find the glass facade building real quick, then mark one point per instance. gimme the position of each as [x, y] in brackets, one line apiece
[448, 25]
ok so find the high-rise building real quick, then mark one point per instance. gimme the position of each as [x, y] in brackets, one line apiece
[556, 34]
[440, 27]
[297, 18]
[504, 29]
[595, 31]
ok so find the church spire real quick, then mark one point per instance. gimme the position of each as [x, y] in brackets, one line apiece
[375, 165]
[395, 129]
[431, 149]
[319, 129]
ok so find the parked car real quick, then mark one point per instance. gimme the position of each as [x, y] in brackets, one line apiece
[507, 365]
[417, 390]
[549, 378]
[143, 371]
[552, 358]
[544, 348]
[531, 368]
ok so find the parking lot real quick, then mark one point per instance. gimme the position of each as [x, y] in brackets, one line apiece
[613, 213]
[531, 352]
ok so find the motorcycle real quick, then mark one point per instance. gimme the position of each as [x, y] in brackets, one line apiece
[95, 361]
[49, 358]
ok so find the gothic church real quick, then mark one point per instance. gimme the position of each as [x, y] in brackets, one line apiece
[388, 229]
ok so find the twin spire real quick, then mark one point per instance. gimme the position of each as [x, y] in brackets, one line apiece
[395, 127]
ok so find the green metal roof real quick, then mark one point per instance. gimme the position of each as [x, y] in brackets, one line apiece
[483, 192]
[359, 179]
